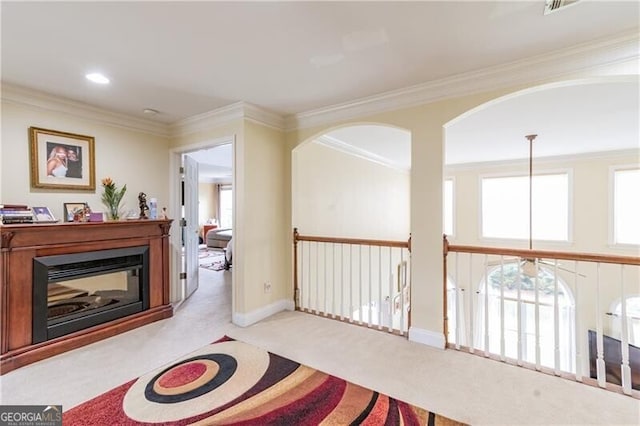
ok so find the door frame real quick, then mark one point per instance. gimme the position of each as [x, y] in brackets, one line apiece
[178, 287]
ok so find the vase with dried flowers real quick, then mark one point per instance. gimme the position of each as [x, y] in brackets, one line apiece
[111, 197]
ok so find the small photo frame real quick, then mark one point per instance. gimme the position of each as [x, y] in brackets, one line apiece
[43, 215]
[61, 160]
[71, 208]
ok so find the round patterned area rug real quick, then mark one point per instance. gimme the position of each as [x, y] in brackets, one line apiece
[234, 383]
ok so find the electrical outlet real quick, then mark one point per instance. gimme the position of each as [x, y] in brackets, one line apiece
[267, 287]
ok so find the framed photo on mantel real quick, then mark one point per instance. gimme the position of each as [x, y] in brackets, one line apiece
[43, 215]
[61, 160]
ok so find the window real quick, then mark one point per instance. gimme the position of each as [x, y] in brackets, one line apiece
[226, 206]
[633, 320]
[626, 206]
[545, 303]
[448, 207]
[505, 207]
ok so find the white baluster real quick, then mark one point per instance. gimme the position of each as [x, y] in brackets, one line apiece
[457, 303]
[472, 295]
[486, 305]
[578, 327]
[350, 282]
[556, 321]
[309, 278]
[301, 292]
[360, 309]
[402, 279]
[537, 314]
[519, 313]
[326, 265]
[600, 365]
[333, 287]
[391, 291]
[370, 279]
[379, 287]
[316, 305]
[502, 339]
[625, 370]
[341, 281]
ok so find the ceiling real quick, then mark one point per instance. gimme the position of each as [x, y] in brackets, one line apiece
[188, 58]
[215, 165]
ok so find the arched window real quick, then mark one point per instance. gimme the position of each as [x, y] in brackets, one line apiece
[502, 296]
[633, 320]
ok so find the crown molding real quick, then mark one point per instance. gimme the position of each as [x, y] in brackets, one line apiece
[338, 145]
[586, 57]
[227, 114]
[564, 159]
[44, 101]
[208, 120]
[263, 116]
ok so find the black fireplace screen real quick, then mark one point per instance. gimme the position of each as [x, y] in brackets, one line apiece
[80, 290]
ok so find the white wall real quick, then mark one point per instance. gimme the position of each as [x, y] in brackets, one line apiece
[137, 159]
[339, 195]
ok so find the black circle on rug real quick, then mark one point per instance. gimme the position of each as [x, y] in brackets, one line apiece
[227, 367]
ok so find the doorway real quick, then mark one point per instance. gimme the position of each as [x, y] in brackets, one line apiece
[197, 172]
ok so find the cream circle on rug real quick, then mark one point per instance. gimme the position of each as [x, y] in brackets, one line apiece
[235, 365]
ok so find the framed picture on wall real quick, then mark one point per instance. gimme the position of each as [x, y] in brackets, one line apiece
[61, 160]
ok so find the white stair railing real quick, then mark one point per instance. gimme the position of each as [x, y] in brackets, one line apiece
[535, 308]
[356, 280]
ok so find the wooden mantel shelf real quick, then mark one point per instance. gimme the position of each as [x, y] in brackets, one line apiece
[19, 244]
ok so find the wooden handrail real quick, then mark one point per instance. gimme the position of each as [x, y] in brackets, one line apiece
[355, 241]
[545, 254]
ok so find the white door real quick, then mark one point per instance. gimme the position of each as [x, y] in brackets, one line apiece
[191, 229]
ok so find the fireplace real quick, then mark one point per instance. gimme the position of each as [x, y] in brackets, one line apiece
[72, 292]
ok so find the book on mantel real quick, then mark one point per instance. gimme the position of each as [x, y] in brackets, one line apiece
[15, 213]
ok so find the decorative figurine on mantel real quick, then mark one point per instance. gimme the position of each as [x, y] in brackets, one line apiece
[163, 214]
[144, 207]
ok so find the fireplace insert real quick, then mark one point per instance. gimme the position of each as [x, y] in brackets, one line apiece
[75, 291]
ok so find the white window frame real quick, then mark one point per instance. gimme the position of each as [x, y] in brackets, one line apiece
[612, 214]
[569, 356]
[225, 187]
[453, 207]
[560, 243]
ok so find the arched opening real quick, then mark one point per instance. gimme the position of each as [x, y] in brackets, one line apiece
[351, 207]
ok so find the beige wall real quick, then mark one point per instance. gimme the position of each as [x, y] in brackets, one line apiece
[136, 159]
[208, 199]
[340, 195]
[261, 227]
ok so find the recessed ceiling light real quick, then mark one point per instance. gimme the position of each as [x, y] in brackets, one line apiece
[96, 77]
[150, 111]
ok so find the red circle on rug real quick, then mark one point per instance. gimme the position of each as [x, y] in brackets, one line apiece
[182, 375]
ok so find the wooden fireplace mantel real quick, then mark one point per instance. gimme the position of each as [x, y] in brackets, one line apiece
[19, 244]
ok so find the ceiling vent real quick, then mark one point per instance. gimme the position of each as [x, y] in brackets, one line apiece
[553, 5]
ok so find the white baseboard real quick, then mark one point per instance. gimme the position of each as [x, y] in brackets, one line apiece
[426, 337]
[245, 320]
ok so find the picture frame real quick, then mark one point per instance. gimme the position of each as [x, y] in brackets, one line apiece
[70, 208]
[62, 160]
[43, 215]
